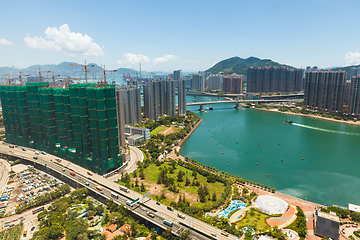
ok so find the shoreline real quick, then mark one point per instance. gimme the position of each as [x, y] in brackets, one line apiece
[288, 198]
[308, 115]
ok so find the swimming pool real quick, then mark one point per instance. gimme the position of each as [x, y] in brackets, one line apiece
[234, 205]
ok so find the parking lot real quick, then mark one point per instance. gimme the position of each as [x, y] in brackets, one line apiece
[24, 186]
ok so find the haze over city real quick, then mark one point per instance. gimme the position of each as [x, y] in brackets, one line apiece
[187, 35]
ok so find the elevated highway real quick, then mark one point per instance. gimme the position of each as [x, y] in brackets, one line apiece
[199, 229]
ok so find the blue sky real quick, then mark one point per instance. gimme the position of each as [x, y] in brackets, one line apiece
[187, 35]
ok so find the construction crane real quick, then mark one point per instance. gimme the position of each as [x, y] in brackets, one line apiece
[20, 77]
[104, 73]
[85, 68]
[53, 77]
[39, 73]
[67, 80]
[9, 79]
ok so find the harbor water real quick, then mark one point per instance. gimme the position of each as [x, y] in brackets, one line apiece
[312, 159]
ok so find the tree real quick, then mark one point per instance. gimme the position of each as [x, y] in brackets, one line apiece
[142, 175]
[136, 183]
[180, 176]
[142, 187]
[187, 181]
[214, 197]
[134, 174]
[194, 173]
[185, 235]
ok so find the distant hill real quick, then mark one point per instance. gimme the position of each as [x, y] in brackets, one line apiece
[239, 65]
[346, 69]
[64, 69]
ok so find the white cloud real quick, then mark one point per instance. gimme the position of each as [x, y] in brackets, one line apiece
[165, 58]
[131, 58]
[6, 42]
[134, 58]
[63, 40]
[352, 58]
[38, 43]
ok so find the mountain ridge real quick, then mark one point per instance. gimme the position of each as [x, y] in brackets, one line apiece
[240, 65]
[63, 68]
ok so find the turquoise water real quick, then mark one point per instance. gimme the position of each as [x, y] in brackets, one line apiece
[329, 173]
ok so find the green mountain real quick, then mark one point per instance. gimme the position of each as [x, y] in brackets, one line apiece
[240, 66]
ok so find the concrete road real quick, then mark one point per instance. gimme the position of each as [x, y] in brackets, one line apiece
[107, 186]
[4, 173]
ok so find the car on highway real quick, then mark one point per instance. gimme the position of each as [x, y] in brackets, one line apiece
[170, 208]
[150, 214]
[35, 157]
[24, 149]
[157, 203]
[224, 233]
[87, 184]
[144, 209]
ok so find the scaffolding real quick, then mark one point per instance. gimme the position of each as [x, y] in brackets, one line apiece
[78, 123]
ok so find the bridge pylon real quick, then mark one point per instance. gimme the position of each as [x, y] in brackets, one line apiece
[237, 105]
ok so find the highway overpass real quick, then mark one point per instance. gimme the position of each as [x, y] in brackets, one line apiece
[62, 170]
[242, 101]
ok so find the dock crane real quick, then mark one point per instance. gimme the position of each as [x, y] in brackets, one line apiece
[104, 71]
[85, 68]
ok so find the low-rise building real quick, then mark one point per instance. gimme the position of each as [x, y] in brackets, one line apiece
[126, 228]
[134, 134]
[112, 228]
[326, 224]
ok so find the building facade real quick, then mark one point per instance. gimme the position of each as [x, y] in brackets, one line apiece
[215, 82]
[274, 79]
[134, 134]
[78, 123]
[159, 98]
[354, 102]
[326, 224]
[325, 90]
[182, 97]
[232, 84]
[131, 100]
[177, 75]
[198, 82]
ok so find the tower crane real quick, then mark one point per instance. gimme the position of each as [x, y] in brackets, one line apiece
[20, 77]
[67, 80]
[39, 73]
[85, 66]
[104, 71]
[53, 77]
[10, 79]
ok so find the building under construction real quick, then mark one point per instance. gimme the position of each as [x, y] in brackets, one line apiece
[78, 123]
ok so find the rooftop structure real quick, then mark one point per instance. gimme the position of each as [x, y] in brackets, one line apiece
[326, 224]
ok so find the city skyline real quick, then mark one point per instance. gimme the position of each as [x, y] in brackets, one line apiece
[76, 31]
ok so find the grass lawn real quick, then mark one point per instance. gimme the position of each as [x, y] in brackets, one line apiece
[12, 233]
[157, 130]
[254, 219]
[151, 175]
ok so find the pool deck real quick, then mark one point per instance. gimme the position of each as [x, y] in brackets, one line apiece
[235, 217]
